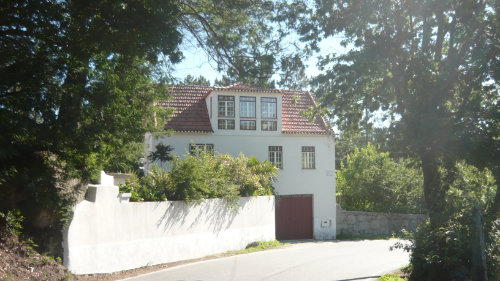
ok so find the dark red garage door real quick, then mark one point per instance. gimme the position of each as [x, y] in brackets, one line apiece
[294, 217]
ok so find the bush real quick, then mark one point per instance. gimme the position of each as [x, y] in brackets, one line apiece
[11, 222]
[445, 253]
[373, 181]
[222, 176]
[193, 178]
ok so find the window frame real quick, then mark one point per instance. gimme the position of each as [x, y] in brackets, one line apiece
[224, 101]
[308, 157]
[226, 121]
[250, 100]
[274, 153]
[249, 122]
[196, 148]
[266, 101]
[275, 128]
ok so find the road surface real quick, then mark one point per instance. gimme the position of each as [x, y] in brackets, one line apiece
[333, 260]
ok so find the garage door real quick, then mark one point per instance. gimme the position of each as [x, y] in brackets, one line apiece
[294, 217]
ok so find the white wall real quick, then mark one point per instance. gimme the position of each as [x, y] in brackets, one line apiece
[107, 236]
[319, 182]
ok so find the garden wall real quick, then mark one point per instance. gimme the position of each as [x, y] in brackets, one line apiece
[355, 223]
[108, 233]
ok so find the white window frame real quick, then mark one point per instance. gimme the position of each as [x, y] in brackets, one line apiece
[226, 103]
[308, 157]
[248, 107]
[267, 105]
[275, 155]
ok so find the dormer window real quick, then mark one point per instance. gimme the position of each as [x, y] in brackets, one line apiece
[269, 109]
[247, 107]
[226, 110]
[268, 106]
[226, 106]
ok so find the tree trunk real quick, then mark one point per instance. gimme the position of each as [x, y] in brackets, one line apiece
[495, 212]
[434, 192]
[479, 269]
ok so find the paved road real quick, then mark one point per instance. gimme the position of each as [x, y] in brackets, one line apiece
[346, 260]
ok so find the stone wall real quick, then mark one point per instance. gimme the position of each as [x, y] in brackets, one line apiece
[355, 223]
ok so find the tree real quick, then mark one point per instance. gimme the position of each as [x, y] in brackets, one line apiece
[426, 63]
[78, 81]
[76, 85]
[433, 67]
[371, 181]
[200, 80]
[162, 153]
[246, 39]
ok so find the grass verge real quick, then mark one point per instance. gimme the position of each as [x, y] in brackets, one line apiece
[258, 246]
[391, 277]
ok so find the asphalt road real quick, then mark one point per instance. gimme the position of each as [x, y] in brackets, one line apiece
[333, 260]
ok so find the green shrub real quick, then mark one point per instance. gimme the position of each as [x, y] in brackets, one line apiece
[193, 178]
[372, 181]
[11, 222]
[445, 253]
[152, 187]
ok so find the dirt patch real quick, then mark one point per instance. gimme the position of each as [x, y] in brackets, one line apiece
[19, 261]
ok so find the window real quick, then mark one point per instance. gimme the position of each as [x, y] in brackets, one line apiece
[268, 108]
[226, 106]
[247, 107]
[276, 156]
[308, 158]
[267, 125]
[247, 124]
[197, 149]
[226, 124]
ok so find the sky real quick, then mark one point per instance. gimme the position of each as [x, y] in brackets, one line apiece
[197, 63]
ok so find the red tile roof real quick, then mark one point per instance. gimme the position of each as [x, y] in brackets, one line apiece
[293, 121]
[190, 109]
[191, 113]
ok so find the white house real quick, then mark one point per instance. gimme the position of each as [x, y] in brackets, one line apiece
[268, 124]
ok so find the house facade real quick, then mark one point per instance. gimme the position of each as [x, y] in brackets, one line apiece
[270, 125]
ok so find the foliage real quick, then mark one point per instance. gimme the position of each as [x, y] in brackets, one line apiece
[445, 253]
[258, 246]
[75, 90]
[78, 82]
[221, 176]
[193, 178]
[431, 66]
[11, 222]
[149, 188]
[200, 80]
[372, 181]
[246, 39]
[162, 153]
[391, 277]
[382, 138]
[124, 158]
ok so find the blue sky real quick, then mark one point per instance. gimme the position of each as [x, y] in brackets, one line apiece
[197, 63]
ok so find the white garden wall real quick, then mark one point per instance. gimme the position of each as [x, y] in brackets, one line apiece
[107, 235]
